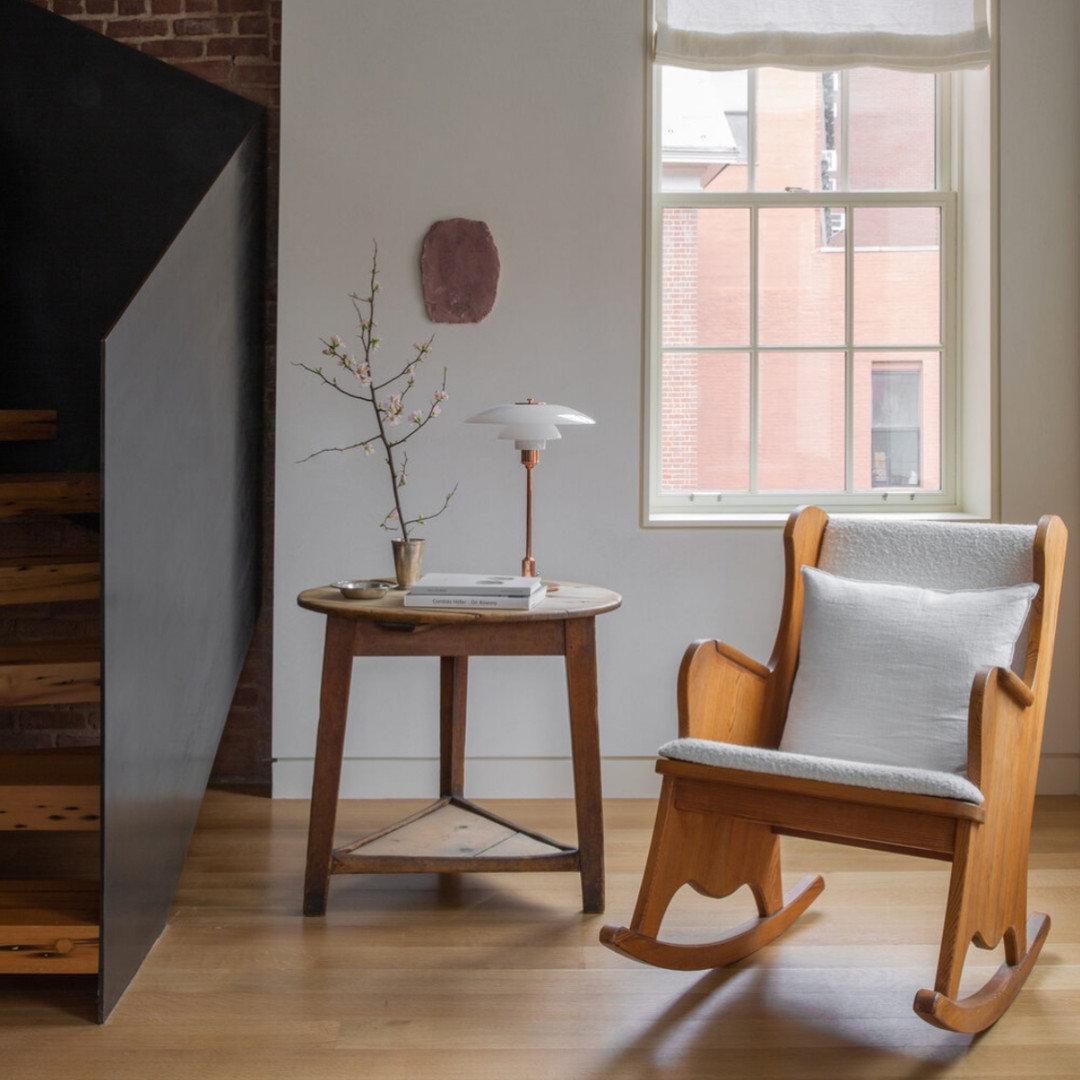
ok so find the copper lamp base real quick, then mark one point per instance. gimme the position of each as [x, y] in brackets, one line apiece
[529, 458]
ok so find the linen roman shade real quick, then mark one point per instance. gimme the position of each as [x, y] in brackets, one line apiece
[822, 35]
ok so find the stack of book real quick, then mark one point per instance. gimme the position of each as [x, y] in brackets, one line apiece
[476, 591]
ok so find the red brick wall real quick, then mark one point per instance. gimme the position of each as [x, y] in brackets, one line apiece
[235, 44]
[679, 410]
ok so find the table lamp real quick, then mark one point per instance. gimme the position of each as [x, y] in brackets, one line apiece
[532, 425]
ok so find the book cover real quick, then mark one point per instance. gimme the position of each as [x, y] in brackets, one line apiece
[434, 584]
[450, 600]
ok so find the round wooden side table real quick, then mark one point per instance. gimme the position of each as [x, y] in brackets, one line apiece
[454, 834]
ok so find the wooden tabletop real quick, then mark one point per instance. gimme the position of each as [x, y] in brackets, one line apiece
[565, 600]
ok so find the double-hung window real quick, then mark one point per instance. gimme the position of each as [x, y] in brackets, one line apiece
[803, 333]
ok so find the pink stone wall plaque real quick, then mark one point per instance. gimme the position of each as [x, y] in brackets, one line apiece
[459, 271]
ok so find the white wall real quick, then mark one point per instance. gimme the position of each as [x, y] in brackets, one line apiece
[1039, 322]
[529, 116]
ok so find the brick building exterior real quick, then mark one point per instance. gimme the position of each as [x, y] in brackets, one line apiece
[801, 276]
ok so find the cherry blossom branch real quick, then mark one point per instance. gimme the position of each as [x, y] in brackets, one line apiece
[389, 412]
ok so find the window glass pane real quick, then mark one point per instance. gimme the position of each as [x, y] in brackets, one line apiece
[897, 288]
[897, 421]
[791, 129]
[801, 421]
[895, 399]
[892, 123]
[800, 283]
[705, 422]
[703, 130]
[705, 288]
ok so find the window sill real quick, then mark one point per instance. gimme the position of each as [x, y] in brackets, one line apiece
[737, 520]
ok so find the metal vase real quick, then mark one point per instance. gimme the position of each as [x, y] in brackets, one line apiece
[408, 560]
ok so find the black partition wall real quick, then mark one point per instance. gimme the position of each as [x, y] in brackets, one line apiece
[131, 290]
[180, 454]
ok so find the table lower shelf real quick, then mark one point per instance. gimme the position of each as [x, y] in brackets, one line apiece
[453, 835]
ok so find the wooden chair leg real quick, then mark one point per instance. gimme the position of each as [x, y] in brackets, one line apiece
[973, 915]
[715, 855]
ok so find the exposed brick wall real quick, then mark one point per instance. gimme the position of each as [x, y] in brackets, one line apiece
[235, 44]
[232, 43]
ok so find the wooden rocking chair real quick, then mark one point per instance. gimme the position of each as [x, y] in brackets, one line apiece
[747, 768]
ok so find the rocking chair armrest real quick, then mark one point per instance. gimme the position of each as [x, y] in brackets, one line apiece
[721, 694]
[1004, 732]
[1015, 687]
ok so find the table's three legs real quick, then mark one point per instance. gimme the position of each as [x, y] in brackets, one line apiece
[330, 744]
[329, 749]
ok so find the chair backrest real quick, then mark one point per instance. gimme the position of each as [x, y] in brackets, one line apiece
[932, 555]
[929, 554]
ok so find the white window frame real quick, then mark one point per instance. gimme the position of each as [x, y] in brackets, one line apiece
[711, 507]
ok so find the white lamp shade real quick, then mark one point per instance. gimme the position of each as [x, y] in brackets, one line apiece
[531, 432]
[530, 425]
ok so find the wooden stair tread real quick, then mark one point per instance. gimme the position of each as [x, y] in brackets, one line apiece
[50, 672]
[41, 494]
[17, 425]
[54, 790]
[49, 927]
[35, 578]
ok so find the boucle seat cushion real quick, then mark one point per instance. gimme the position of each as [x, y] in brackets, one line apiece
[831, 770]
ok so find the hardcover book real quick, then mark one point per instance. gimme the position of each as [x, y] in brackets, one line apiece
[474, 585]
[451, 600]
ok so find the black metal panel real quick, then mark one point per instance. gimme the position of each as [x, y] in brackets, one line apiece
[182, 401]
[103, 154]
[127, 186]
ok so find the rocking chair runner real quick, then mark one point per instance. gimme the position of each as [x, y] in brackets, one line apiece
[749, 767]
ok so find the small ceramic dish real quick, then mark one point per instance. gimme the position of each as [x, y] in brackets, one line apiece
[362, 590]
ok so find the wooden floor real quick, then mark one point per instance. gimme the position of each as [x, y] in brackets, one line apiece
[500, 977]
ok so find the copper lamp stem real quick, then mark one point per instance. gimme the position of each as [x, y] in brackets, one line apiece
[529, 458]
